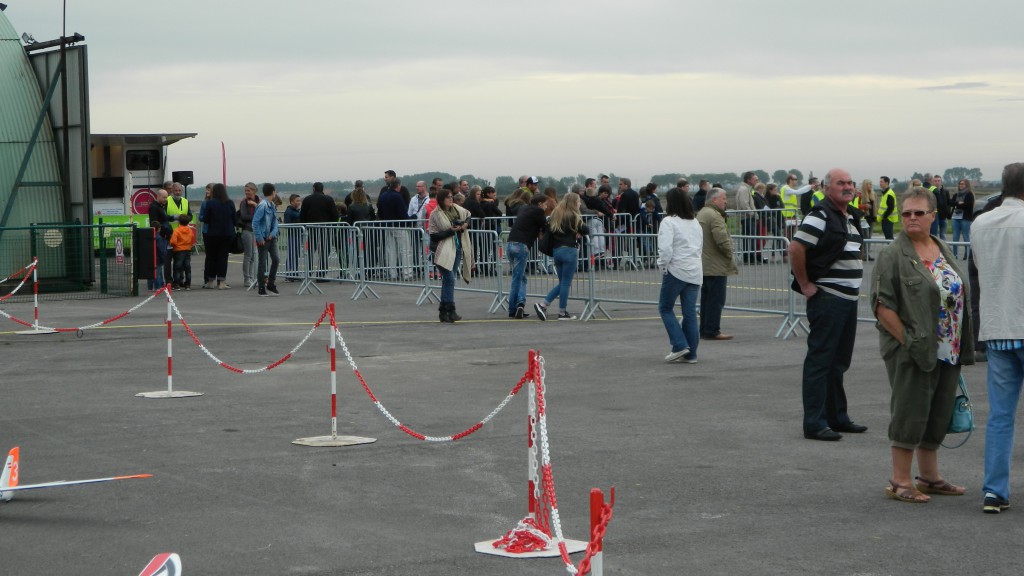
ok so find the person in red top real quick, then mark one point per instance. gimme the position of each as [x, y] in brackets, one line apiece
[182, 241]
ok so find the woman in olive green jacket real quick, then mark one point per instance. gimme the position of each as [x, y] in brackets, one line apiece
[922, 305]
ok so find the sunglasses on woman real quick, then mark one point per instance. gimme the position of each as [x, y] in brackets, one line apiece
[915, 213]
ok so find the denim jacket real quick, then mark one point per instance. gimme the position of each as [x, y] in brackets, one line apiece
[264, 221]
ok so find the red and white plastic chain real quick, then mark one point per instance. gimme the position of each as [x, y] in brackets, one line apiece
[227, 366]
[27, 267]
[548, 479]
[90, 326]
[533, 462]
[527, 536]
[545, 504]
[596, 536]
[28, 272]
[406, 429]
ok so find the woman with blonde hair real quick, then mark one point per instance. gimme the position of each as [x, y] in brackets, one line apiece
[866, 203]
[567, 227]
[514, 202]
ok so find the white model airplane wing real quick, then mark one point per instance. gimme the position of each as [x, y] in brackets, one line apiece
[9, 483]
[71, 482]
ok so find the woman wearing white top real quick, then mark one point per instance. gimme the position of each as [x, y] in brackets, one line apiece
[680, 241]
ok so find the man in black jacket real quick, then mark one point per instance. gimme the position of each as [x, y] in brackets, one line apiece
[942, 202]
[528, 225]
[629, 201]
[159, 220]
[389, 178]
[318, 208]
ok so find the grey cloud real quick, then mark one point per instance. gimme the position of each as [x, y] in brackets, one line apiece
[957, 86]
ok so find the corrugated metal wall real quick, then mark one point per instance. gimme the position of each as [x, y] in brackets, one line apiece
[20, 104]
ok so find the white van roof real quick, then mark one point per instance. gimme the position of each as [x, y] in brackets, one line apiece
[151, 139]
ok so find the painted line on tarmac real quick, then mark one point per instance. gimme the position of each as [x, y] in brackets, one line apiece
[368, 322]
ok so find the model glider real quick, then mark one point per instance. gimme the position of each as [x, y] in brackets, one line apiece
[9, 479]
[166, 564]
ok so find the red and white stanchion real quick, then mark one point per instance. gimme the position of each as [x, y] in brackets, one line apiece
[333, 439]
[538, 535]
[170, 392]
[36, 328]
[600, 515]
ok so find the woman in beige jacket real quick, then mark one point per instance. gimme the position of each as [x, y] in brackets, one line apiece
[449, 243]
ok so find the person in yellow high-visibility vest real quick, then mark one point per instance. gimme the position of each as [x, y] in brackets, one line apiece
[791, 198]
[176, 204]
[888, 212]
[816, 197]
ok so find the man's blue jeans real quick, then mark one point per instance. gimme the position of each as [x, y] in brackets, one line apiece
[712, 300]
[1005, 374]
[833, 323]
[679, 335]
[518, 254]
[565, 265]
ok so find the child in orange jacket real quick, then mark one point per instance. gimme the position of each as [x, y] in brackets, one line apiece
[182, 241]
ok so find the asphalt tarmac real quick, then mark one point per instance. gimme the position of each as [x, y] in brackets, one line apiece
[711, 471]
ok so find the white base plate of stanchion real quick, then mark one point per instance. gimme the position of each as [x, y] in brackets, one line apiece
[322, 441]
[487, 547]
[35, 331]
[166, 394]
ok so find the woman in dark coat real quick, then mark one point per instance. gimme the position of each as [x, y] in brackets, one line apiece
[221, 220]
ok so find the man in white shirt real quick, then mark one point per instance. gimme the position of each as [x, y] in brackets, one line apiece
[997, 245]
[418, 203]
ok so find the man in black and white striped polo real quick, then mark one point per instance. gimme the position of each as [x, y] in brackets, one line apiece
[827, 270]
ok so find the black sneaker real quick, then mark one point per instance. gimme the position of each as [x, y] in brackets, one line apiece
[566, 316]
[272, 290]
[261, 292]
[542, 311]
[520, 312]
[994, 504]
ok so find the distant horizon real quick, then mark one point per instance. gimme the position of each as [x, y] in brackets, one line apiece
[551, 87]
[408, 182]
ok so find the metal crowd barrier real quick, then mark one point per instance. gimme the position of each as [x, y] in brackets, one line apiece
[865, 312]
[613, 267]
[627, 273]
[488, 269]
[394, 253]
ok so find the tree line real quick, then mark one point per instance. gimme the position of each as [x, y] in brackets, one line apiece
[505, 185]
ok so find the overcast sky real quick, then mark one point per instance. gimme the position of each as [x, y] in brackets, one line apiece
[344, 89]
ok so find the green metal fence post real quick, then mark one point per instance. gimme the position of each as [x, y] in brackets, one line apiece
[102, 257]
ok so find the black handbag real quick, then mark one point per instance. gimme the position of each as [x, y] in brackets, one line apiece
[546, 244]
[237, 246]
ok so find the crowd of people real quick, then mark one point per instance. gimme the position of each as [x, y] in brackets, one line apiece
[931, 319]
[934, 314]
